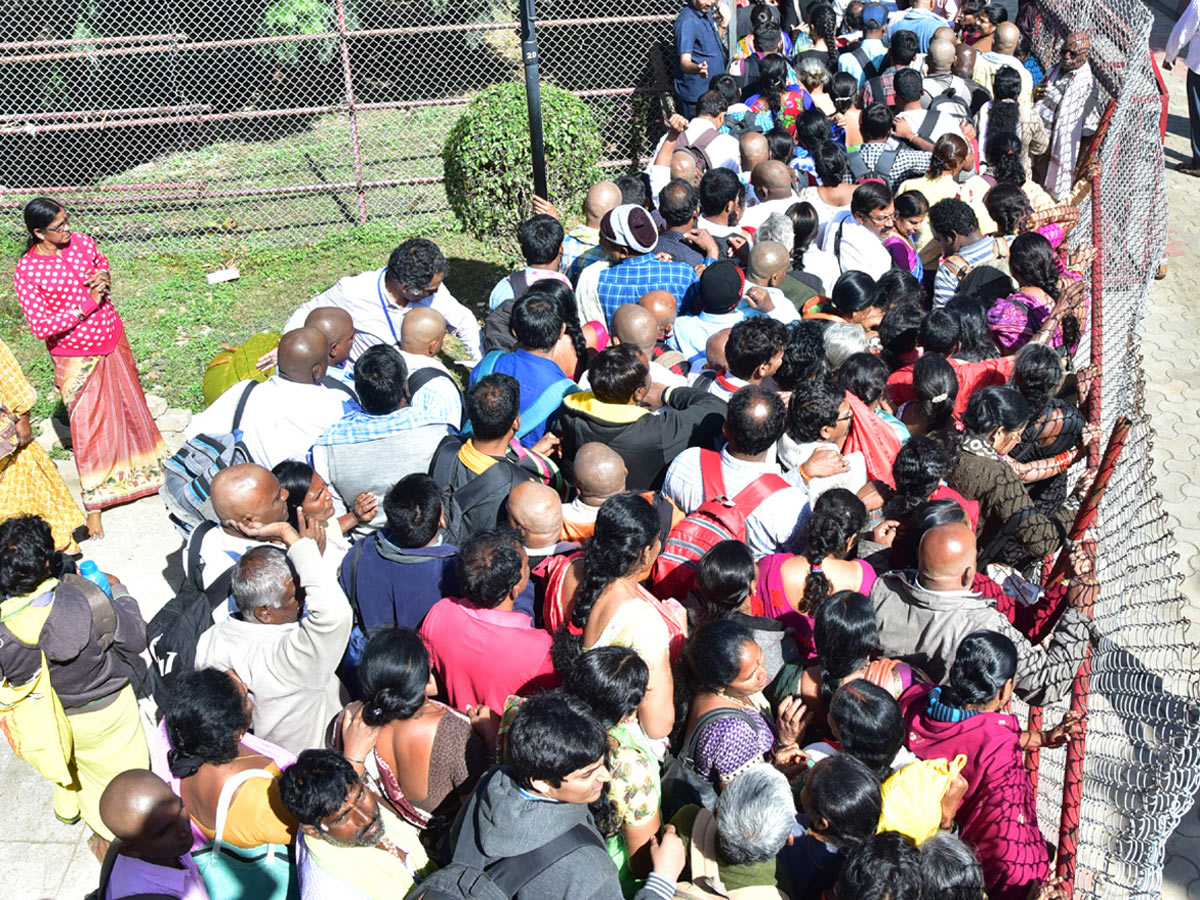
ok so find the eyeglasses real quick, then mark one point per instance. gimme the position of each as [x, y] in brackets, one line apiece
[62, 226]
[883, 220]
[846, 418]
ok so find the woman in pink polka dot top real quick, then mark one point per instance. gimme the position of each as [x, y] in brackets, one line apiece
[63, 285]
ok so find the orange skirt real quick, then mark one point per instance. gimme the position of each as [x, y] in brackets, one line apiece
[118, 449]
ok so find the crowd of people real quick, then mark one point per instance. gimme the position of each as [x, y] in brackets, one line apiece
[712, 566]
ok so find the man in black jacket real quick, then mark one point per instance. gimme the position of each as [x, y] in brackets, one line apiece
[614, 412]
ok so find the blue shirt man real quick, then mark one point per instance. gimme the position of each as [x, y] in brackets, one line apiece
[922, 21]
[700, 53]
[536, 375]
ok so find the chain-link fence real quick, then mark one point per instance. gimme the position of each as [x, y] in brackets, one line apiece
[1120, 801]
[165, 124]
[162, 122]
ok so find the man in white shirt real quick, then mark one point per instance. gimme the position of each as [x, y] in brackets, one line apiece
[379, 299]
[854, 237]
[421, 339]
[1182, 35]
[719, 190]
[772, 182]
[940, 81]
[753, 353]
[753, 423]
[768, 265]
[288, 637]
[1004, 45]
[720, 150]
[285, 414]
[244, 497]
[927, 125]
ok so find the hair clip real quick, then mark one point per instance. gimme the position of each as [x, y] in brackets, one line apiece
[939, 398]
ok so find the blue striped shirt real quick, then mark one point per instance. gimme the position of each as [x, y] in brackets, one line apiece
[946, 282]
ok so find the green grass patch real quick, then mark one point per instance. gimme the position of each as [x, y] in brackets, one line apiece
[177, 322]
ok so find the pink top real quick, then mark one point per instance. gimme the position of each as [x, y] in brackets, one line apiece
[998, 815]
[131, 876]
[484, 655]
[50, 287]
[772, 595]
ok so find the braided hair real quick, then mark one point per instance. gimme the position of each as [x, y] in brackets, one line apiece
[805, 225]
[837, 517]
[1003, 153]
[772, 81]
[824, 23]
[626, 526]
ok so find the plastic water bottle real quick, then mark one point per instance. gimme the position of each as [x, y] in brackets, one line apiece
[89, 570]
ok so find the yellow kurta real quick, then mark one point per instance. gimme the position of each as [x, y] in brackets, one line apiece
[29, 482]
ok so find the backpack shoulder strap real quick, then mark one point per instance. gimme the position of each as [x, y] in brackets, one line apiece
[711, 475]
[510, 875]
[545, 405]
[519, 282]
[426, 374]
[334, 384]
[864, 61]
[749, 498]
[878, 92]
[928, 124]
[442, 464]
[957, 266]
[887, 159]
[488, 364]
[352, 587]
[688, 751]
[241, 405]
[858, 167]
[194, 564]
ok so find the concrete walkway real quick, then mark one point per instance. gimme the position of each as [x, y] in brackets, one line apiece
[41, 858]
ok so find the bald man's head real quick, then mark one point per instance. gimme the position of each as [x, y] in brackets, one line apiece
[714, 350]
[755, 149]
[941, 55]
[337, 326]
[964, 60]
[535, 511]
[635, 325]
[663, 307]
[769, 261]
[142, 811]
[946, 557]
[683, 167]
[599, 473]
[945, 33]
[422, 331]
[602, 197]
[303, 356]
[771, 179]
[247, 494]
[1006, 38]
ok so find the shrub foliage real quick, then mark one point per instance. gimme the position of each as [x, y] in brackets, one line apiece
[488, 164]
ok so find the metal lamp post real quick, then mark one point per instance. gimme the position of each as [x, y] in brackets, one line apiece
[533, 96]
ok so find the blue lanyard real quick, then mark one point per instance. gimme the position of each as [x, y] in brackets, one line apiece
[384, 305]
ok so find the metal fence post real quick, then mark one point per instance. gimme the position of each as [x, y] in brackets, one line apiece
[355, 146]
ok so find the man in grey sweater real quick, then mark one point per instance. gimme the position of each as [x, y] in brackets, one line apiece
[556, 750]
[924, 615]
[287, 661]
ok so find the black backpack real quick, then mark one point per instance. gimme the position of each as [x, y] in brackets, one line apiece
[172, 635]
[883, 165]
[698, 149]
[476, 505]
[465, 879]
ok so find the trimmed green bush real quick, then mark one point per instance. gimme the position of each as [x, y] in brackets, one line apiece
[488, 164]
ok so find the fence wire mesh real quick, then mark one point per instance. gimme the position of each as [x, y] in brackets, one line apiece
[164, 124]
[284, 118]
[1142, 764]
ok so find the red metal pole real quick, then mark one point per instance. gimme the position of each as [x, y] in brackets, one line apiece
[348, 75]
[1068, 827]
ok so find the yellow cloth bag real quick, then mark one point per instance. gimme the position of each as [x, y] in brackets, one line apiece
[912, 797]
[31, 714]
